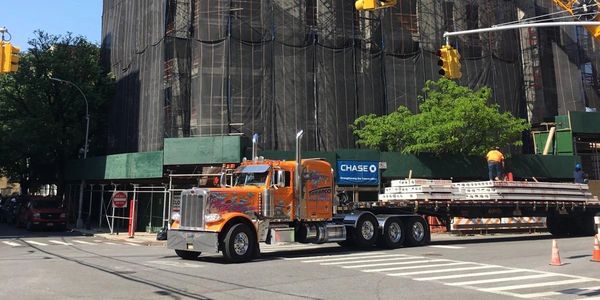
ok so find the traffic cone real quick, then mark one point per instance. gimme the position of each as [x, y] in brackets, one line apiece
[555, 260]
[596, 251]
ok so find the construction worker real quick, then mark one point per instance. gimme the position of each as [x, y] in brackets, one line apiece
[578, 175]
[495, 160]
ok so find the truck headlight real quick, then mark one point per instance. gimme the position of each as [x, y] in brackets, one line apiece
[211, 218]
[176, 217]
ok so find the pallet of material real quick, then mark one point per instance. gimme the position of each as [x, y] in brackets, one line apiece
[418, 189]
[521, 184]
[525, 191]
[421, 182]
[415, 196]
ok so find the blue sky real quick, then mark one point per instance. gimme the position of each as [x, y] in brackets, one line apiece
[22, 17]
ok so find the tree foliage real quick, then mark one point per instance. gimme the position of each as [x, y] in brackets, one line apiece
[451, 119]
[42, 122]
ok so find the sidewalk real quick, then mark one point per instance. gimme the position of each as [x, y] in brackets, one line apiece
[142, 237]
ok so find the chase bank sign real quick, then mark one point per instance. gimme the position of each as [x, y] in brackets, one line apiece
[357, 172]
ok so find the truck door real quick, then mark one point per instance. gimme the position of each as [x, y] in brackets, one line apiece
[283, 196]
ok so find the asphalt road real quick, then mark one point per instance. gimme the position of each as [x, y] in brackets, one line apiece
[54, 265]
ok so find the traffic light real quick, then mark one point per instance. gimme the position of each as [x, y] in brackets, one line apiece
[373, 4]
[455, 72]
[10, 58]
[444, 61]
[449, 62]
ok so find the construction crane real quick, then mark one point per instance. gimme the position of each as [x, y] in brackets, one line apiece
[582, 10]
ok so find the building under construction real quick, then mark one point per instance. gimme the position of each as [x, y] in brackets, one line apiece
[193, 76]
[189, 68]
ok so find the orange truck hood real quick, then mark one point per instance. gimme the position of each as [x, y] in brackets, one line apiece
[236, 199]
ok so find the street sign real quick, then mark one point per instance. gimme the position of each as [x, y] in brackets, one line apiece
[357, 172]
[119, 199]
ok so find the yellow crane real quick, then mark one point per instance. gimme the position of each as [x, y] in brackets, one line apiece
[583, 10]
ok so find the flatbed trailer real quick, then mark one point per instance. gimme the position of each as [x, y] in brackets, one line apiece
[569, 208]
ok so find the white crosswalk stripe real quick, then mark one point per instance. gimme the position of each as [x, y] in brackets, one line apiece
[60, 243]
[475, 282]
[481, 274]
[487, 278]
[84, 242]
[44, 243]
[13, 244]
[36, 243]
[131, 244]
[446, 247]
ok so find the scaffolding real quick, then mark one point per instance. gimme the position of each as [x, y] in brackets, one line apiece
[195, 68]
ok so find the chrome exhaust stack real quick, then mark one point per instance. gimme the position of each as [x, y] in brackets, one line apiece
[255, 146]
[298, 174]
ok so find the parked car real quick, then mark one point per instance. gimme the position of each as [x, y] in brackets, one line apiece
[43, 212]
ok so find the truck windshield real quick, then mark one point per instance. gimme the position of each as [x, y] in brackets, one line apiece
[257, 179]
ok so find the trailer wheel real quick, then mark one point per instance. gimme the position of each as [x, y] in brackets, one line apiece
[417, 232]
[393, 234]
[239, 244]
[365, 233]
[188, 255]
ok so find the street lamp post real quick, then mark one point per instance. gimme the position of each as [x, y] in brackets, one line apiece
[85, 147]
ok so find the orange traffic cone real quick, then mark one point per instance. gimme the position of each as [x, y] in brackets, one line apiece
[596, 251]
[555, 260]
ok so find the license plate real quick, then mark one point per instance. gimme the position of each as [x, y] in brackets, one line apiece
[49, 224]
[190, 246]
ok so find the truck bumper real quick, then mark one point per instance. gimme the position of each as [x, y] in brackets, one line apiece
[201, 241]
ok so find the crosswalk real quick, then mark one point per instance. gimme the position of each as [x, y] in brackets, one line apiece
[487, 278]
[74, 242]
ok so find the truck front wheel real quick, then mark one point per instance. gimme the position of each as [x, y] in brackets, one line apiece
[239, 243]
[188, 255]
[417, 232]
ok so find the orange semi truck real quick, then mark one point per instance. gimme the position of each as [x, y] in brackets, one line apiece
[276, 201]
[280, 201]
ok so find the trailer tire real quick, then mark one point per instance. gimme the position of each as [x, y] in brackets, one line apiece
[187, 255]
[393, 234]
[417, 232]
[365, 233]
[239, 244]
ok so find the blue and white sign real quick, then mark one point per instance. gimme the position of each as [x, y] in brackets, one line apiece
[357, 172]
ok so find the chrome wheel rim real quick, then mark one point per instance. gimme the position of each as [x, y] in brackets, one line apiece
[418, 231]
[368, 230]
[241, 243]
[395, 232]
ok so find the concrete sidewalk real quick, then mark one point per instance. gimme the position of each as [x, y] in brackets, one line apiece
[143, 238]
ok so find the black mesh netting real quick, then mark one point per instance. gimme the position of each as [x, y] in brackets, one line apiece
[196, 67]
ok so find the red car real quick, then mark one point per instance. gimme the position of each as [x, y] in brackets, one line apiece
[43, 212]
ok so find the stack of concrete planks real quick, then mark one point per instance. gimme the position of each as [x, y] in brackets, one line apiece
[418, 189]
[523, 191]
[439, 190]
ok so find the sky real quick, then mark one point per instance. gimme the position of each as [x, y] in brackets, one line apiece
[57, 17]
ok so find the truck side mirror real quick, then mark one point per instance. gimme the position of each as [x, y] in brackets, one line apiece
[280, 178]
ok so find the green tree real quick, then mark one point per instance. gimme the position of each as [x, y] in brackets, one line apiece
[42, 122]
[451, 119]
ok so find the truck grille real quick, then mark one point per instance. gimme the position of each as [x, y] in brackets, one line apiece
[192, 209]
